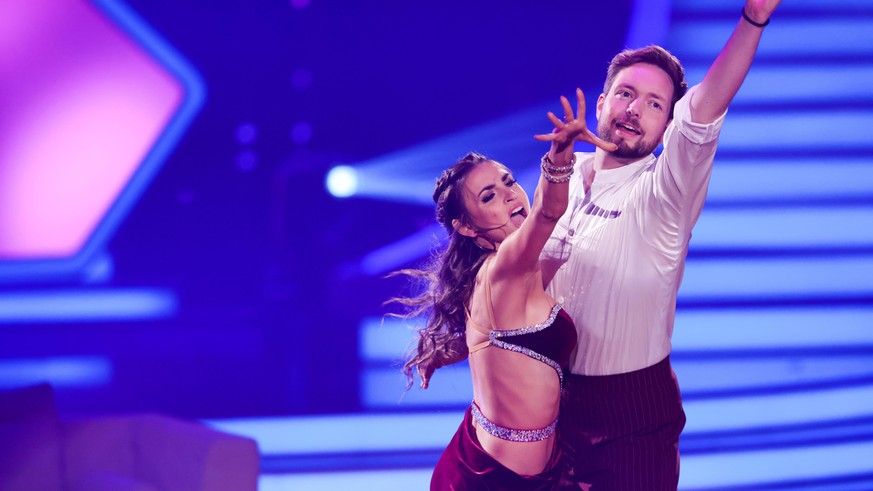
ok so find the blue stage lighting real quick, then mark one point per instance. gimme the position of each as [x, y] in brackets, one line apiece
[86, 305]
[791, 38]
[246, 134]
[70, 371]
[381, 479]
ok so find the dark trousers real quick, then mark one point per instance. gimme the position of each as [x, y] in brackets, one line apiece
[621, 432]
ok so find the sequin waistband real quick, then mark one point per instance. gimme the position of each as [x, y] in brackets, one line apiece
[510, 434]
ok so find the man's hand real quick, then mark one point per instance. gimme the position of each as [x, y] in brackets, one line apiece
[761, 10]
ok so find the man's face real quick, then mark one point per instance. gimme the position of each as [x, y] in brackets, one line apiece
[635, 112]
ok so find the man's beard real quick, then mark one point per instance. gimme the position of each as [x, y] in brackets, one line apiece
[625, 150]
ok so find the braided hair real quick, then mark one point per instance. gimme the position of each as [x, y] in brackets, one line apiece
[450, 280]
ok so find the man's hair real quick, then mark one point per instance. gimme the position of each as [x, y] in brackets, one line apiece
[654, 55]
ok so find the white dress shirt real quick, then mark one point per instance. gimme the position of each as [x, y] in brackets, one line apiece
[618, 253]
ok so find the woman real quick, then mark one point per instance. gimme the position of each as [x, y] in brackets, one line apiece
[486, 299]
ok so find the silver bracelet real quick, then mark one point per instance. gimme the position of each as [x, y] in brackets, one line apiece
[546, 164]
[557, 175]
[557, 179]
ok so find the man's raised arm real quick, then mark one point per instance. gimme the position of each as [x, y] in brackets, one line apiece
[726, 75]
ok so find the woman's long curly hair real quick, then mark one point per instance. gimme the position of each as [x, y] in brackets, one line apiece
[450, 280]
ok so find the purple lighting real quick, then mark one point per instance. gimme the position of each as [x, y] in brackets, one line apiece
[246, 160]
[246, 134]
[301, 133]
[301, 78]
[82, 105]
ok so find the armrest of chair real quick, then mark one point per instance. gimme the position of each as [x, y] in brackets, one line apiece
[195, 457]
[97, 445]
[164, 452]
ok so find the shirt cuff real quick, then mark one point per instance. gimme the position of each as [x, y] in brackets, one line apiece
[697, 133]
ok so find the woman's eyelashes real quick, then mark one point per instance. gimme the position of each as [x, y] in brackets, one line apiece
[508, 182]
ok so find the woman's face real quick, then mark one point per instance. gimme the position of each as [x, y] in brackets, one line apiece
[496, 204]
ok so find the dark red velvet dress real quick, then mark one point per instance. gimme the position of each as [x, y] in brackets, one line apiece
[465, 465]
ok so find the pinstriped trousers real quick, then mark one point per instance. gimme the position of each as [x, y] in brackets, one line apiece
[621, 432]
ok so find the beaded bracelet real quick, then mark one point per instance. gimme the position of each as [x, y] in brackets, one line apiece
[563, 173]
[557, 180]
[546, 164]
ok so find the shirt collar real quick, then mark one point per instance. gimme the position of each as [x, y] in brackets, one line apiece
[621, 174]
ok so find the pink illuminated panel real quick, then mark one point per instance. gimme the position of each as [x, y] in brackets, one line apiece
[81, 104]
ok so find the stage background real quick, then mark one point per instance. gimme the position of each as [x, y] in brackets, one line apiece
[169, 241]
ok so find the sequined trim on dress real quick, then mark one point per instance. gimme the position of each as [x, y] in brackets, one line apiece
[510, 434]
[494, 334]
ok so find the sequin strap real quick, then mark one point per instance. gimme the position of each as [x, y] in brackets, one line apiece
[510, 434]
[495, 335]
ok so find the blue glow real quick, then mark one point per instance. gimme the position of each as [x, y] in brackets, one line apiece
[345, 433]
[701, 380]
[763, 466]
[246, 160]
[386, 339]
[387, 480]
[99, 270]
[732, 377]
[847, 226]
[797, 131]
[195, 94]
[750, 179]
[698, 471]
[704, 329]
[395, 188]
[246, 133]
[395, 255]
[408, 175]
[383, 388]
[745, 181]
[779, 409]
[649, 22]
[774, 227]
[799, 327]
[850, 35]
[301, 133]
[730, 6]
[58, 371]
[301, 78]
[722, 279]
[731, 330]
[86, 305]
[405, 431]
[342, 181]
[767, 84]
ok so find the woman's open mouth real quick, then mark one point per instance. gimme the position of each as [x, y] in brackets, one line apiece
[517, 216]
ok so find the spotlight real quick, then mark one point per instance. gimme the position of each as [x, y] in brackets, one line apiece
[342, 181]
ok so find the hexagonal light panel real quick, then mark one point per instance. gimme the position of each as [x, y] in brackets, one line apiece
[91, 103]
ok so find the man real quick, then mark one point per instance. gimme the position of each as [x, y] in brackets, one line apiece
[617, 256]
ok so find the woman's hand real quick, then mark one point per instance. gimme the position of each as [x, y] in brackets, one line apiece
[572, 129]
